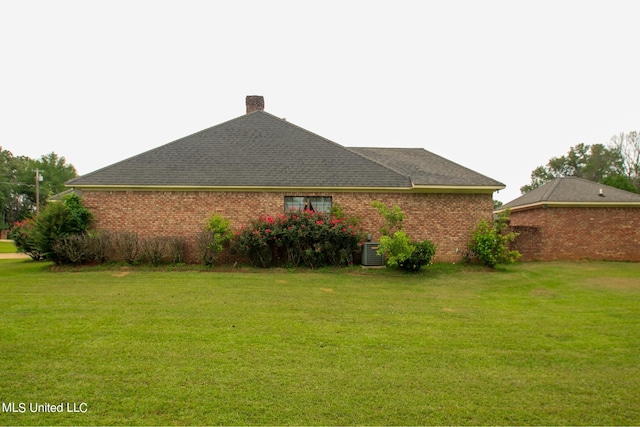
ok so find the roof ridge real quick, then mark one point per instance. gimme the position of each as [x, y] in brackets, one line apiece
[338, 145]
[554, 184]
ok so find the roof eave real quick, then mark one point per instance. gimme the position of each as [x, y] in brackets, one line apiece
[345, 189]
[547, 204]
[488, 189]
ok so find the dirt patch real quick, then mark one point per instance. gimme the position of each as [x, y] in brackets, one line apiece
[543, 293]
[326, 289]
[123, 272]
[14, 256]
[614, 283]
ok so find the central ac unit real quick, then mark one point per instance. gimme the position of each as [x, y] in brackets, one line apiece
[370, 255]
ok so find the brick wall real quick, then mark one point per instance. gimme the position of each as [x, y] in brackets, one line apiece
[528, 242]
[445, 219]
[573, 233]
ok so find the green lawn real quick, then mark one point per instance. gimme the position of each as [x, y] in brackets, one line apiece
[533, 344]
[7, 247]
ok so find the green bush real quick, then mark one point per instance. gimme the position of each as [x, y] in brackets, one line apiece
[396, 246]
[490, 244]
[215, 238]
[23, 235]
[392, 218]
[81, 217]
[399, 252]
[54, 223]
[422, 255]
[306, 238]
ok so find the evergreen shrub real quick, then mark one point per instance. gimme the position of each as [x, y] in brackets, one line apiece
[23, 235]
[42, 237]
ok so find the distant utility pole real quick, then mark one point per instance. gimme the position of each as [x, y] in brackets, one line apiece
[38, 179]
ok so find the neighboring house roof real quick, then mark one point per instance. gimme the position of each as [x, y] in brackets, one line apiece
[60, 196]
[572, 191]
[259, 150]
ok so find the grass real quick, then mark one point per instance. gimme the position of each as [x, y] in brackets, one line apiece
[538, 343]
[7, 247]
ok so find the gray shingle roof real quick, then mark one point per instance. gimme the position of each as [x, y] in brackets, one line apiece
[572, 190]
[262, 150]
[427, 168]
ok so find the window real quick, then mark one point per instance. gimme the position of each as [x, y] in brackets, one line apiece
[316, 204]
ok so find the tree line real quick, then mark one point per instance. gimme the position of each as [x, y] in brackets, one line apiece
[18, 184]
[616, 164]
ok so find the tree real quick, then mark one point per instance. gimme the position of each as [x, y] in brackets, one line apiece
[56, 172]
[596, 162]
[628, 145]
[6, 180]
[17, 195]
[17, 184]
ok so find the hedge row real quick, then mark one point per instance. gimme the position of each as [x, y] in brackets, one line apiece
[118, 246]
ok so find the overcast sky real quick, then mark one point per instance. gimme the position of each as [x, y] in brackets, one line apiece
[497, 86]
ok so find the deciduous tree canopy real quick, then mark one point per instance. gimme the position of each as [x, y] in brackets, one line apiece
[616, 164]
[18, 183]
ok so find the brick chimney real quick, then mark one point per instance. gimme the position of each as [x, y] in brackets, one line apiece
[255, 103]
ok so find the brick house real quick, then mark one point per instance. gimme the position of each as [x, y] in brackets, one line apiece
[571, 218]
[261, 164]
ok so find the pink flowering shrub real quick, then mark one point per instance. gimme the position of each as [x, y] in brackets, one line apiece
[311, 239]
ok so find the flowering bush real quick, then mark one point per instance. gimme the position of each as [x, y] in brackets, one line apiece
[308, 238]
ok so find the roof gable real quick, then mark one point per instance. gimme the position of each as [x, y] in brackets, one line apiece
[573, 191]
[256, 149]
[260, 150]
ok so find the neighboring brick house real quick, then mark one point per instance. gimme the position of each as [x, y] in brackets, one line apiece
[261, 164]
[571, 218]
